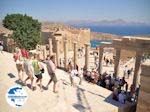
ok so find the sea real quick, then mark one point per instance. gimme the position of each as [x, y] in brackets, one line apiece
[122, 30]
[119, 30]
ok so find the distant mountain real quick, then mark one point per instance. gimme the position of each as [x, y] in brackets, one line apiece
[117, 22]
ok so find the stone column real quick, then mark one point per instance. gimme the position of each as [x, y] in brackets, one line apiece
[116, 64]
[65, 54]
[57, 52]
[100, 60]
[75, 53]
[137, 68]
[87, 56]
[50, 46]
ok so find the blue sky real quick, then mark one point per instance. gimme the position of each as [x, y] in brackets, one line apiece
[65, 10]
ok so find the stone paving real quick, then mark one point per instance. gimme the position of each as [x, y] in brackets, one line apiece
[85, 98]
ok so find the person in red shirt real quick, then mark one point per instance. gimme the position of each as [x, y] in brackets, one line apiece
[24, 53]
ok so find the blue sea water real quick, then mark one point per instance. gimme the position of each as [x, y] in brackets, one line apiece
[95, 43]
[122, 30]
[119, 30]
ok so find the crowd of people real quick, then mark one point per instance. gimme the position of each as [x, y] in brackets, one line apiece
[119, 86]
[30, 64]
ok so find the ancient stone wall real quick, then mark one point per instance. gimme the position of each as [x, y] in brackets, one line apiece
[81, 36]
[144, 95]
[84, 36]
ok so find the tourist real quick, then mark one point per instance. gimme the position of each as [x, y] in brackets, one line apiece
[69, 67]
[97, 64]
[51, 67]
[107, 61]
[122, 81]
[103, 83]
[29, 70]
[129, 73]
[1, 46]
[19, 64]
[92, 76]
[88, 76]
[115, 94]
[125, 71]
[112, 83]
[117, 82]
[99, 80]
[38, 70]
[126, 87]
[60, 62]
[80, 75]
[111, 61]
[104, 58]
[122, 97]
[71, 73]
[76, 71]
[107, 83]
[76, 67]
[132, 90]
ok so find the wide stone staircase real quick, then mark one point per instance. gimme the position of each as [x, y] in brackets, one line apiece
[84, 98]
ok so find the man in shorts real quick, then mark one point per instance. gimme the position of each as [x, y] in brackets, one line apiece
[51, 67]
[28, 67]
[38, 70]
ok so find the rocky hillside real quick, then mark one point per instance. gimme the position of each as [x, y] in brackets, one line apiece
[54, 25]
[94, 35]
[103, 36]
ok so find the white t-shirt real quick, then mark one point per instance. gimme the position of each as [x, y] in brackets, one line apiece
[72, 73]
[28, 67]
[80, 72]
[75, 72]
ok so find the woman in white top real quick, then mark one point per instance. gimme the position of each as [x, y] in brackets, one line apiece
[80, 75]
[71, 73]
[28, 67]
[19, 63]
